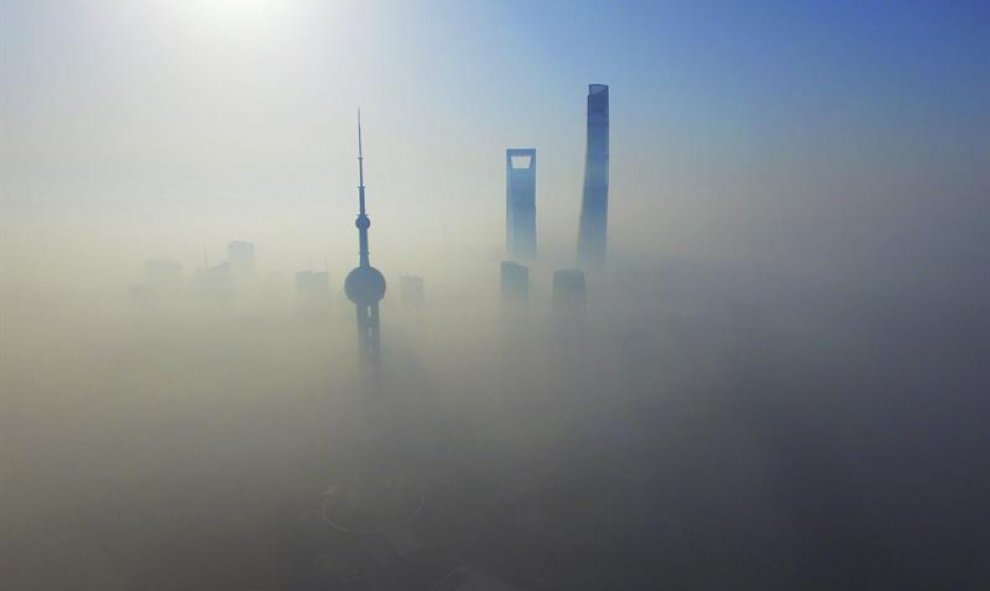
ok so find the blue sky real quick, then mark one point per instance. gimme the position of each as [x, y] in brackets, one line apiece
[737, 127]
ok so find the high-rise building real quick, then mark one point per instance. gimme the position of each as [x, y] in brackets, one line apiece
[515, 282]
[313, 284]
[365, 286]
[520, 203]
[214, 283]
[163, 276]
[313, 292]
[241, 257]
[593, 230]
[568, 289]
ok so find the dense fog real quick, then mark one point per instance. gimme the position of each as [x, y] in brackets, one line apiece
[698, 424]
[779, 380]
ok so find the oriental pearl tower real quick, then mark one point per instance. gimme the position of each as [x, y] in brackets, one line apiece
[375, 496]
[365, 286]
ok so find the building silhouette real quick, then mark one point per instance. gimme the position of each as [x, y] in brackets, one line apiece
[313, 291]
[592, 233]
[162, 281]
[569, 319]
[240, 255]
[163, 276]
[372, 497]
[365, 286]
[520, 203]
[515, 282]
[214, 283]
[315, 283]
[569, 289]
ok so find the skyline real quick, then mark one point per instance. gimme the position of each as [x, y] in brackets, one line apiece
[758, 135]
[777, 381]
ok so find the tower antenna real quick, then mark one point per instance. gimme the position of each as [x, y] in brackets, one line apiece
[365, 285]
[360, 167]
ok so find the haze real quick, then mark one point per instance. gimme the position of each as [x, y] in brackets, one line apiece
[779, 381]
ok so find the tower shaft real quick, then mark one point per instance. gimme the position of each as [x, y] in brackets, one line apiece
[369, 343]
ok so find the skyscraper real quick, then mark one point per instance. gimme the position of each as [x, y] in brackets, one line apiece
[515, 282]
[365, 286]
[313, 293]
[241, 257]
[164, 276]
[316, 283]
[569, 322]
[520, 203]
[594, 205]
[569, 289]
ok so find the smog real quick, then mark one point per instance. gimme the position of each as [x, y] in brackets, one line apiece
[697, 337]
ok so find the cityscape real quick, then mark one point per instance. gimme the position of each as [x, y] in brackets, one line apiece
[316, 296]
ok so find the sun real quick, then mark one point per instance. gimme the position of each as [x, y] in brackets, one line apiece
[234, 13]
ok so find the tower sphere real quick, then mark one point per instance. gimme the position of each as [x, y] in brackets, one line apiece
[363, 222]
[365, 285]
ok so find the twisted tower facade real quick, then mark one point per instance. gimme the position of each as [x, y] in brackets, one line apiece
[592, 233]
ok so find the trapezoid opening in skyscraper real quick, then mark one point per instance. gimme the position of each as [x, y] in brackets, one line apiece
[593, 231]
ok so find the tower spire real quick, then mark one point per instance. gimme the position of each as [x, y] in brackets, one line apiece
[362, 223]
[360, 167]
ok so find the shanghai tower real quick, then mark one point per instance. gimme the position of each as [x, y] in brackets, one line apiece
[594, 203]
